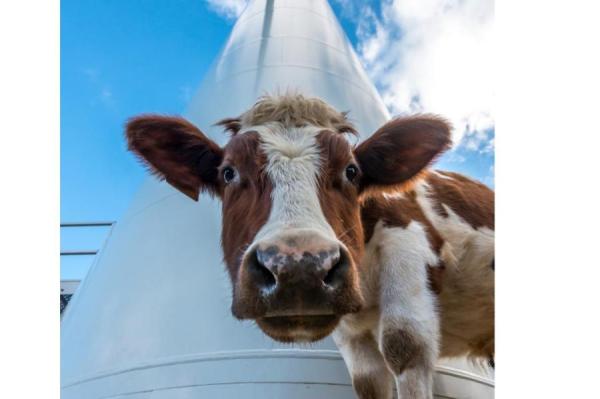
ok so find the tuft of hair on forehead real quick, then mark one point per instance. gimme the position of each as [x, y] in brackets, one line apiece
[290, 110]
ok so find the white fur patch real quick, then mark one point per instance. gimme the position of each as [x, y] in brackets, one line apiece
[454, 229]
[393, 196]
[403, 257]
[441, 175]
[293, 165]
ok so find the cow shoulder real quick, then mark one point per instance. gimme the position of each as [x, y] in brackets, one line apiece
[392, 210]
[470, 200]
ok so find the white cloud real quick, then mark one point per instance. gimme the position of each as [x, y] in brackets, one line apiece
[434, 56]
[103, 92]
[230, 9]
[482, 141]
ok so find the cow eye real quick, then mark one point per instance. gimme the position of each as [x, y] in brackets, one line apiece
[351, 172]
[228, 174]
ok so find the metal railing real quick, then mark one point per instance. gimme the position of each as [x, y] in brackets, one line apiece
[66, 296]
[84, 224]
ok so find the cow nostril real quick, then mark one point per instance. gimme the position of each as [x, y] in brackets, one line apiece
[337, 274]
[263, 277]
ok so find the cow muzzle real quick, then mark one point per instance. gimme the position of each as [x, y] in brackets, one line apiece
[297, 286]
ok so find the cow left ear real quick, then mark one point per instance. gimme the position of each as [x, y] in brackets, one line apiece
[400, 149]
[177, 151]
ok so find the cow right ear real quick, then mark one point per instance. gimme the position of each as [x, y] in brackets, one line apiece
[402, 148]
[177, 151]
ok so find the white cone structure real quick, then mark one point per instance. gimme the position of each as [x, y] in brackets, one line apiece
[152, 318]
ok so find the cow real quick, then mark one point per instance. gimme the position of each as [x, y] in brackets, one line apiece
[364, 242]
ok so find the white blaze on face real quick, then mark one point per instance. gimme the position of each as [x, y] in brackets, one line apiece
[293, 166]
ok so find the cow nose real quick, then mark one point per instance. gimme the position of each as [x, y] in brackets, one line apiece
[281, 265]
[299, 274]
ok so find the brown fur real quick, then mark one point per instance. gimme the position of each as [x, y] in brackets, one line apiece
[471, 200]
[401, 350]
[365, 387]
[246, 206]
[400, 149]
[467, 306]
[398, 212]
[435, 276]
[338, 198]
[177, 151]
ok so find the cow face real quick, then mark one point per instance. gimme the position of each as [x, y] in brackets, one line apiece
[292, 236]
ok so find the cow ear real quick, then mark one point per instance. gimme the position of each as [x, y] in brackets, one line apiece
[400, 149]
[175, 150]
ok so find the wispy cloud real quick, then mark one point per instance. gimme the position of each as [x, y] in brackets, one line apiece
[104, 93]
[481, 141]
[434, 56]
[230, 9]
[91, 73]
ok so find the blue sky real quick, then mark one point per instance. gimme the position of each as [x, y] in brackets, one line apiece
[121, 58]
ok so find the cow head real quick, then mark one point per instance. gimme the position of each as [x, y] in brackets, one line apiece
[290, 183]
